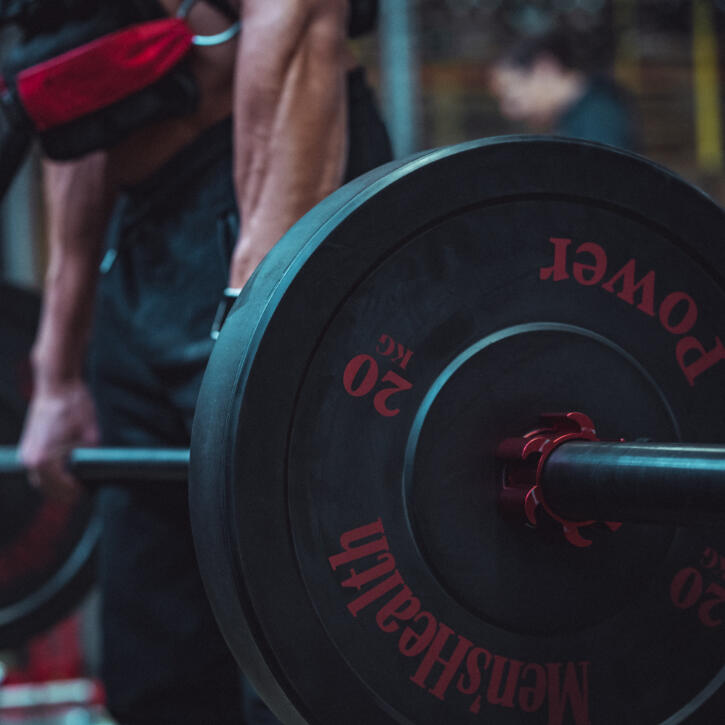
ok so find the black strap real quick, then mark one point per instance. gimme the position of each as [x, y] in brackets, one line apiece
[363, 17]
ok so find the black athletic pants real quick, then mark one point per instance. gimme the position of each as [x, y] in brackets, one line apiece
[163, 274]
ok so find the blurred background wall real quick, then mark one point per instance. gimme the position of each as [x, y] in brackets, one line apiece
[666, 53]
[431, 62]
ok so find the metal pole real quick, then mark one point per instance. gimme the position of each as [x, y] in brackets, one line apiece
[639, 482]
[400, 75]
[708, 112]
[106, 465]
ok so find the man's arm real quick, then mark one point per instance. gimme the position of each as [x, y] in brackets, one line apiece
[78, 201]
[290, 118]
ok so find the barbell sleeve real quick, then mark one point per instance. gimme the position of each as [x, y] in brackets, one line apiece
[109, 465]
[638, 482]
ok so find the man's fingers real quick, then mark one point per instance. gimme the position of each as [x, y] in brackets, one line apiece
[54, 481]
[65, 487]
[91, 435]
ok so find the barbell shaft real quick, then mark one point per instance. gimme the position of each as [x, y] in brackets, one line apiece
[604, 481]
[108, 465]
[637, 482]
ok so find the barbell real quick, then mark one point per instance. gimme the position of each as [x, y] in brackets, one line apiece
[582, 478]
[98, 466]
[457, 453]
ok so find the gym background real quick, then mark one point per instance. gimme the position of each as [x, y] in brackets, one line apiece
[431, 62]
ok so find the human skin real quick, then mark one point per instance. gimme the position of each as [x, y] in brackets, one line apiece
[536, 95]
[283, 81]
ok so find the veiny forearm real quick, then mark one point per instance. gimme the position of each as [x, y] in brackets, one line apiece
[78, 201]
[62, 339]
[290, 118]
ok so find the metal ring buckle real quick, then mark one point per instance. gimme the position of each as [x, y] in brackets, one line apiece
[207, 40]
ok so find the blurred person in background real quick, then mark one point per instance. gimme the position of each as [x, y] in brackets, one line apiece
[545, 83]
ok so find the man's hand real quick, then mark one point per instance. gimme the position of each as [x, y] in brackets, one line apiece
[60, 417]
[62, 414]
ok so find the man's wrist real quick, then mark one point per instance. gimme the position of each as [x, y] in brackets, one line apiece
[54, 372]
[50, 376]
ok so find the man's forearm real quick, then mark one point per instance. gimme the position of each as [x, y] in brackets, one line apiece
[78, 201]
[290, 116]
[60, 347]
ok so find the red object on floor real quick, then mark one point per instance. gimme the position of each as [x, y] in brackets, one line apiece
[55, 655]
